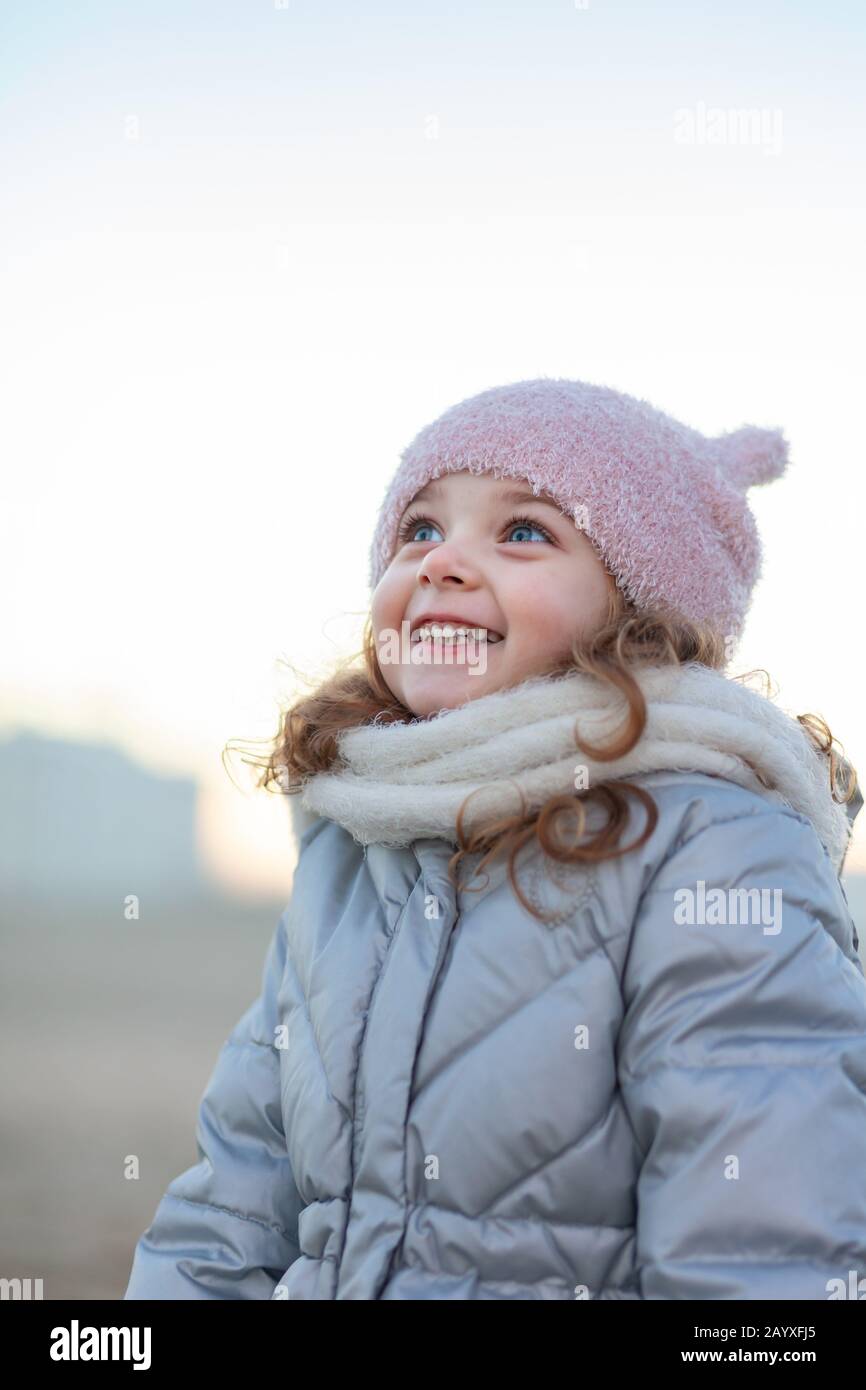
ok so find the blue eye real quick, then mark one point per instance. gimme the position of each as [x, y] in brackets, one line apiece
[412, 524]
[530, 526]
[411, 530]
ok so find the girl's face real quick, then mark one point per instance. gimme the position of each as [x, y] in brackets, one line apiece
[483, 552]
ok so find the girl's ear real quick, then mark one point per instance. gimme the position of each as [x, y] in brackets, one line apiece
[752, 456]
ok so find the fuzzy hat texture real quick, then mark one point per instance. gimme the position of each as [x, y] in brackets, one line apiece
[664, 504]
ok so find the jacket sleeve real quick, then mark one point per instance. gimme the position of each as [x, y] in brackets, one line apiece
[228, 1226]
[741, 1061]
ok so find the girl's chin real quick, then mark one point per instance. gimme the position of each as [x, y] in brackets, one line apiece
[425, 693]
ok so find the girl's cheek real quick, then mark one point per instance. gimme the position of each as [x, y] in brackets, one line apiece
[533, 591]
[385, 607]
[538, 607]
[553, 623]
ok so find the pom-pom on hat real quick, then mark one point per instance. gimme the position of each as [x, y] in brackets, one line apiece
[664, 505]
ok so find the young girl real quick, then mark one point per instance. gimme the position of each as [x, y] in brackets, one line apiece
[567, 1001]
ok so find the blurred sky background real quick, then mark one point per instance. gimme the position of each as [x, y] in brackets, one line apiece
[250, 249]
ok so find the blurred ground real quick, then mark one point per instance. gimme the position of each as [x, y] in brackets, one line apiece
[109, 1031]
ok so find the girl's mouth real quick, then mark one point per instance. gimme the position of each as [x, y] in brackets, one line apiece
[451, 635]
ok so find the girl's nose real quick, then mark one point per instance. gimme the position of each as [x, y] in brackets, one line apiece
[448, 562]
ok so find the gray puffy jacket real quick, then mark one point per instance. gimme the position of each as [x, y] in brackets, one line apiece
[652, 1098]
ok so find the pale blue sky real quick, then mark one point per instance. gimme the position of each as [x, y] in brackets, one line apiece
[248, 251]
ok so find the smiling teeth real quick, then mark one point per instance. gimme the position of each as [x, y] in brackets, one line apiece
[447, 630]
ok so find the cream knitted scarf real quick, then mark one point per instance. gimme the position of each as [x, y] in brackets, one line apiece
[394, 783]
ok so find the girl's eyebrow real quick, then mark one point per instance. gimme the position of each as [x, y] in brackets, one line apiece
[523, 494]
[510, 495]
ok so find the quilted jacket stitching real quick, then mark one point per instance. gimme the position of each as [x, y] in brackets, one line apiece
[356, 1119]
[554, 1280]
[548, 1223]
[443, 956]
[667, 1065]
[473, 1042]
[290, 964]
[551, 1158]
[229, 1211]
[679, 844]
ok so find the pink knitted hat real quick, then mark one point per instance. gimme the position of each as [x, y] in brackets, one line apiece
[664, 504]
